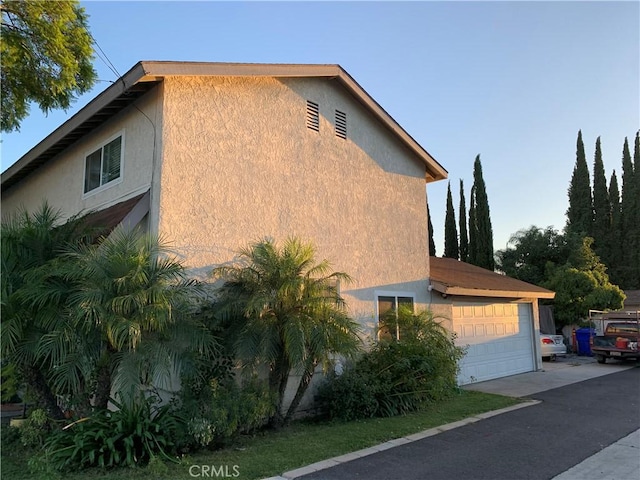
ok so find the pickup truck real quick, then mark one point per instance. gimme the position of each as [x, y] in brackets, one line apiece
[616, 339]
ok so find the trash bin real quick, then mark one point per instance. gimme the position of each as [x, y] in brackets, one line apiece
[583, 337]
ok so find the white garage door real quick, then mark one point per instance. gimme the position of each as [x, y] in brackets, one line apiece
[498, 337]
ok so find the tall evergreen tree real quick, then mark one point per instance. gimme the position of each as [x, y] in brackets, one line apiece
[473, 228]
[432, 244]
[601, 227]
[483, 248]
[615, 245]
[635, 241]
[580, 211]
[629, 269]
[464, 237]
[450, 231]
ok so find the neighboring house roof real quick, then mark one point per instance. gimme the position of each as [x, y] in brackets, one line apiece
[632, 300]
[145, 75]
[452, 277]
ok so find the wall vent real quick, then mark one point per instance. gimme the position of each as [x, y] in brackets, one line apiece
[341, 124]
[313, 116]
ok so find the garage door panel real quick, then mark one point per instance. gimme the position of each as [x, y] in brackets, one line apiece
[498, 338]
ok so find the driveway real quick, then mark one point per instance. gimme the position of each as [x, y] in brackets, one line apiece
[597, 406]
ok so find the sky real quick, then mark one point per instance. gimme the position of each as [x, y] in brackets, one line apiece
[512, 81]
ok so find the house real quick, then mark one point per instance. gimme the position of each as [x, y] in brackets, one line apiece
[496, 317]
[632, 302]
[213, 156]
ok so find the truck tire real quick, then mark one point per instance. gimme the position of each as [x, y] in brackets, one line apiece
[601, 359]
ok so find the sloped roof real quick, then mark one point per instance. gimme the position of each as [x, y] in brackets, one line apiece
[453, 277]
[147, 74]
[633, 298]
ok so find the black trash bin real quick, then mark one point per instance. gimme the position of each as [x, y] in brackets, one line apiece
[583, 337]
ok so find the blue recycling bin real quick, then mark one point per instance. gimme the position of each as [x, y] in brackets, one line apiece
[583, 337]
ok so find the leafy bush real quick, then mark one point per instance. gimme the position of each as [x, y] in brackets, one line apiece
[131, 435]
[36, 428]
[397, 376]
[222, 409]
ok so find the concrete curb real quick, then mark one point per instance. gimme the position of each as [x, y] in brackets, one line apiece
[331, 462]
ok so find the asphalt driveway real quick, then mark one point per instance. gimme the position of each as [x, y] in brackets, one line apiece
[569, 424]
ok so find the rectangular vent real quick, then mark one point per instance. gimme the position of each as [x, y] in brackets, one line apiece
[341, 124]
[313, 116]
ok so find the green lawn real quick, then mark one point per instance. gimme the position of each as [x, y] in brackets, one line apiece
[272, 453]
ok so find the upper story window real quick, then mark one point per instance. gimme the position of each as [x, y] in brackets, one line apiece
[103, 165]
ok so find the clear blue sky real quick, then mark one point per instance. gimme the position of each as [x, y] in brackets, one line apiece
[511, 81]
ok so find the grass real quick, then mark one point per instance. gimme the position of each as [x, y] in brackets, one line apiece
[274, 452]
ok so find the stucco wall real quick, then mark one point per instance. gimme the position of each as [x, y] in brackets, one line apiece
[61, 181]
[239, 164]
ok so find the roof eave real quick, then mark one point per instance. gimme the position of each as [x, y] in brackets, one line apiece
[120, 87]
[154, 71]
[479, 292]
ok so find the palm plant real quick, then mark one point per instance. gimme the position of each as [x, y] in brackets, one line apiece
[284, 310]
[131, 312]
[31, 245]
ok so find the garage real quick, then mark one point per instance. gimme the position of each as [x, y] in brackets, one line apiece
[498, 337]
[495, 317]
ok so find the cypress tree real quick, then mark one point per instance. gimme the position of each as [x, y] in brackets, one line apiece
[450, 230]
[635, 241]
[432, 244]
[601, 227]
[615, 245]
[580, 211]
[473, 228]
[464, 238]
[483, 249]
[628, 219]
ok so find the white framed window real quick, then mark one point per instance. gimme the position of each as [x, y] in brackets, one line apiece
[388, 304]
[104, 164]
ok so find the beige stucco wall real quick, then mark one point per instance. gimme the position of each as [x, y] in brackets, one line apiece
[61, 181]
[239, 164]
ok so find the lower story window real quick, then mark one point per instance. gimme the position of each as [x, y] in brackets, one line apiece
[388, 307]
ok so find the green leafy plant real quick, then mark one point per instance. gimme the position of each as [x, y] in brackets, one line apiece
[223, 409]
[399, 374]
[34, 431]
[285, 311]
[132, 435]
[10, 383]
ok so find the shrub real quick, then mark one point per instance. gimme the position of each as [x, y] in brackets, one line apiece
[131, 435]
[224, 409]
[397, 375]
[36, 428]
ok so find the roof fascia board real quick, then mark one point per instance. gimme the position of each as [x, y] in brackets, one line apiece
[121, 85]
[478, 292]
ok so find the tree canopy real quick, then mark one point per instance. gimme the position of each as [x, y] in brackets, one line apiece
[582, 284]
[531, 252]
[46, 55]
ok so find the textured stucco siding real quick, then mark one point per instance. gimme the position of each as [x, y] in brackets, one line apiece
[239, 164]
[61, 181]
